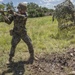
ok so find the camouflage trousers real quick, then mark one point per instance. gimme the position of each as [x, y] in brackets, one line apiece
[16, 39]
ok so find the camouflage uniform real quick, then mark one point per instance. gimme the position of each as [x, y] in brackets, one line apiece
[19, 32]
[64, 13]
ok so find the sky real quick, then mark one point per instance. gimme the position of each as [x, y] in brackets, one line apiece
[44, 3]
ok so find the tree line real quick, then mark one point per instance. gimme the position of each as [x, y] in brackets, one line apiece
[33, 9]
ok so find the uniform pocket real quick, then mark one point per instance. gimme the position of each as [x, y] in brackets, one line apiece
[11, 32]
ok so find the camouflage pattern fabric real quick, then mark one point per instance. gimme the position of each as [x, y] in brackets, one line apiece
[64, 13]
[19, 32]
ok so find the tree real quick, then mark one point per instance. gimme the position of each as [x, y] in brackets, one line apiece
[2, 7]
[9, 5]
[35, 10]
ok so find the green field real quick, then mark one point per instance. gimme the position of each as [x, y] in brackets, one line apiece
[44, 35]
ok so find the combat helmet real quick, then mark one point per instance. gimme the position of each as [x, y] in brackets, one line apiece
[22, 6]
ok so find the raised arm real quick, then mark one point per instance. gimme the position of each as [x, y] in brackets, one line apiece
[7, 19]
[24, 16]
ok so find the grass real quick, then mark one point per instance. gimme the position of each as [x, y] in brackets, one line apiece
[45, 39]
[42, 32]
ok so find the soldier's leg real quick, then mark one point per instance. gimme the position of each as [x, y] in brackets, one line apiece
[14, 42]
[27, 40]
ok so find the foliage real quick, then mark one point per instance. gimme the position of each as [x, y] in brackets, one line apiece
[64, 13]
[33, 10]
[2, 7]
[37, 11]
[1, 19]
[9, 5]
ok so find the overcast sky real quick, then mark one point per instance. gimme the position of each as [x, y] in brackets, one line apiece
[44, 3]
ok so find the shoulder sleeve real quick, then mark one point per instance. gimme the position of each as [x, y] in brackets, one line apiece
[24, 16]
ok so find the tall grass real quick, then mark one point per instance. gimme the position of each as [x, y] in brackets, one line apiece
[43, 33]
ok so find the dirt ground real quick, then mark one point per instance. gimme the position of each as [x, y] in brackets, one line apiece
[46, 64]
[55, 64]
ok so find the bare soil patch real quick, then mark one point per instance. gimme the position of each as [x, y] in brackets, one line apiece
[46, 64]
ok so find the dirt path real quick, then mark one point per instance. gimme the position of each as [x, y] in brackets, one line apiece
[53, 64]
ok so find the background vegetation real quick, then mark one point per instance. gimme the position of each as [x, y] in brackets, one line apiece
[33, 9]
[43, 33]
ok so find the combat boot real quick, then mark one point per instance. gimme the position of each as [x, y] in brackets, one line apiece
[31, 59]
[9, 61]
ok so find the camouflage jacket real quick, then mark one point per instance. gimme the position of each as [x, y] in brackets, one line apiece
[19, 21]
[64, 13]
[63, 8]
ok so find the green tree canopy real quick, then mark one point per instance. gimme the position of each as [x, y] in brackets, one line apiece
[35, 10]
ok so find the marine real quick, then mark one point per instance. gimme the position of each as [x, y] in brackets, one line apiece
[19, 30]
